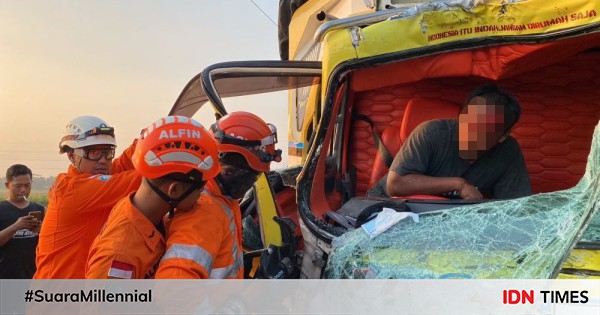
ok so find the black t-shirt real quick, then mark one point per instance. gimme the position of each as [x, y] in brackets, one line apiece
[432, 150]
[17, 256]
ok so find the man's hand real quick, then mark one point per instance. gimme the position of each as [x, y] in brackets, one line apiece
[470, 192]
[28, 222]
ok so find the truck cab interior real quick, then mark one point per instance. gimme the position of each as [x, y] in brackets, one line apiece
[555, 82]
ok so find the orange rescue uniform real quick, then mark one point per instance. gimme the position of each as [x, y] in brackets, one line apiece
[129, 246]
[78, 206]
[205, 242]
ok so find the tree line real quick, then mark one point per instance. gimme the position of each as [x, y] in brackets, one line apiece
[39, 182]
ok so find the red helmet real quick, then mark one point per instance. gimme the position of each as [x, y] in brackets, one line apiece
[250, 136]
[176, 145]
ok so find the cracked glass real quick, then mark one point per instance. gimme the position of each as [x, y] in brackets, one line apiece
[525, 238]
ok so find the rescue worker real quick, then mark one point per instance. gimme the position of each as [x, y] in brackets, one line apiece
[80, 200]
[175, 156]
[208, 244]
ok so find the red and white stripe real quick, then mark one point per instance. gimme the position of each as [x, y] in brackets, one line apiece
[120, 270]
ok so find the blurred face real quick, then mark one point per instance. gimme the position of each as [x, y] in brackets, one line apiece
[95, 159]
[237, 181]
[19, 188]
[480, 127]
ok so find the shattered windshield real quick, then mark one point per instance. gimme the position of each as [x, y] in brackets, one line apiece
[592, 234]
[523, 238]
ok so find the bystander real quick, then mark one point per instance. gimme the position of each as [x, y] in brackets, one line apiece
[20, 221]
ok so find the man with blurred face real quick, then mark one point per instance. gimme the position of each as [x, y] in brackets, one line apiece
[481, 126]
[20, 220]
[80, 200]
[471, 157]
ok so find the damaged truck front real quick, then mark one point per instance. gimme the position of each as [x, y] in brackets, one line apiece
[358, 75]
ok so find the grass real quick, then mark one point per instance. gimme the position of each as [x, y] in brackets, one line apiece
[38, 196]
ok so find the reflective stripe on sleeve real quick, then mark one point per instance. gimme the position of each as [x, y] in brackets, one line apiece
[194, 253]
[226, 272]
[224, 206]
[238, 260]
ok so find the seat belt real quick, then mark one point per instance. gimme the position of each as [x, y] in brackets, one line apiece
[347, 185]
[383, 152]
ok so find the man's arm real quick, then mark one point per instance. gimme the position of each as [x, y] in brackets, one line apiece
[407, 175]
[124, 161]
[416, 184]
[104, 191]
[100, 263]
[193, 244]
[27, 222]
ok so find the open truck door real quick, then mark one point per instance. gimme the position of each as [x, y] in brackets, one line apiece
[273, 254]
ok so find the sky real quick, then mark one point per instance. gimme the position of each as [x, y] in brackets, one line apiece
[123, 61]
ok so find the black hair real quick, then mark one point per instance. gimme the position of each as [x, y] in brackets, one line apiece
[17, 170]
[498, 96]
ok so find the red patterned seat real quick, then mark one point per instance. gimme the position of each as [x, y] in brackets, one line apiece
[560, 106]
[418, 110]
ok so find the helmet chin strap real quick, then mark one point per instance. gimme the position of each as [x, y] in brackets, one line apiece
[173, 202]
[78, 166]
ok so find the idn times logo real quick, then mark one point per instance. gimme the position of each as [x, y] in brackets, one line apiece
[544, 296]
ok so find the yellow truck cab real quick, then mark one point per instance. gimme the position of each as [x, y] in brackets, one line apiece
[362, 75]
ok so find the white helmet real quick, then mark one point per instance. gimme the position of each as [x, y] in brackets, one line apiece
[84, 131]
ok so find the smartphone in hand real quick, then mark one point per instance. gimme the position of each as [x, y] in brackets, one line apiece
[38, 216]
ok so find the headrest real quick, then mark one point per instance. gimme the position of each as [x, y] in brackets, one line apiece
[419, 110]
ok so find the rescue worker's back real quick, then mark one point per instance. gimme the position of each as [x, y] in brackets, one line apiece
[128, 247]
[205, 242]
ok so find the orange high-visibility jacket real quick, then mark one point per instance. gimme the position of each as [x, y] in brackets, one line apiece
[205, 242]
[128, 247]
[78, 206]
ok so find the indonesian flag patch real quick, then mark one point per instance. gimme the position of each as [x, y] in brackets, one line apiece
[121, 270]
